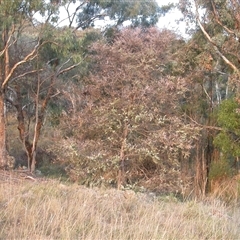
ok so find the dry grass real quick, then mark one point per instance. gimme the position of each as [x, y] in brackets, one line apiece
[52, 210]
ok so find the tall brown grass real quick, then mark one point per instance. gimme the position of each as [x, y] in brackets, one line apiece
[52, 210]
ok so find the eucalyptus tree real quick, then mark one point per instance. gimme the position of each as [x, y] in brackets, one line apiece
[218, 21]
[15, 16]
[30, 62]
[83, 13]
[215, 45]
[34, 52]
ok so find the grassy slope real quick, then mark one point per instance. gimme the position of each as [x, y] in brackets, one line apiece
[52, 210]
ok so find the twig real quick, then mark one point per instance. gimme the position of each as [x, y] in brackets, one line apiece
[30, 178]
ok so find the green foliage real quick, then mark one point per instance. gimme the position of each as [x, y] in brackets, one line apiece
[18, 11]
[212, 56]
[60, 44]
[228, 118]
[54, 115]
[140, 13]
[53, 170]
[88, 38]
[220, 169]
[63, 44]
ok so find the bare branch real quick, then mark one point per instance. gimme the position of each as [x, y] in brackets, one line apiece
[205, 126]
[26, 73]
[59, 72]
[225, 59]
[89, 20]
[7, 45]
[66, 62]
[30, 56]
[219, 22]
[68, 69]
[72, 16]
[57, 93]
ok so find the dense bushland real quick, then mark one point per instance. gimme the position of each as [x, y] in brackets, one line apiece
[134, 107]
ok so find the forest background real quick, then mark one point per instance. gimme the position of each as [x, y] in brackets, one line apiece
[128, 107]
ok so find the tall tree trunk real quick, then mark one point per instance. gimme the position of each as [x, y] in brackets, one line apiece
[3, 149]
[4, 70]
[40, 109]
[34, 160]
[200, 171]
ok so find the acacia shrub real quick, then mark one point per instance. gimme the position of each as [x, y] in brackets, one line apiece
[131, 130]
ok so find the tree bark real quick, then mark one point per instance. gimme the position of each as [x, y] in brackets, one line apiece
[3, 149]
[4, 70]
[200, 179]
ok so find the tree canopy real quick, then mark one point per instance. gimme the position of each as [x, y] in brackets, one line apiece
[138, 13]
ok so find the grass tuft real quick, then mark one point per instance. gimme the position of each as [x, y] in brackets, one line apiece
[53, 210]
